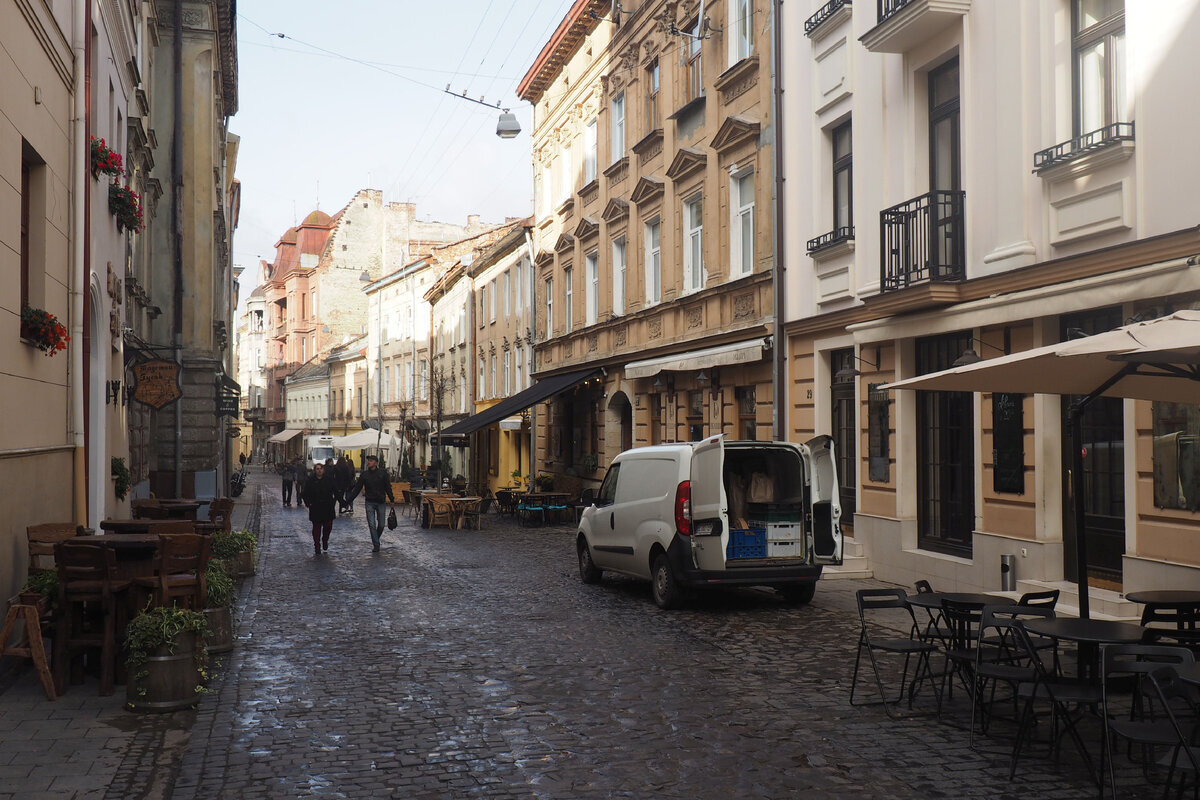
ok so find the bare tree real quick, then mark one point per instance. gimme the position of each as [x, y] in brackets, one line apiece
[441, 389]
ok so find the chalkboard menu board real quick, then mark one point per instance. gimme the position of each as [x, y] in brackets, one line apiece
[1008, 440]
[877, 433]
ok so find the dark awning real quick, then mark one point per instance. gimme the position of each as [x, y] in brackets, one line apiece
[540, 391]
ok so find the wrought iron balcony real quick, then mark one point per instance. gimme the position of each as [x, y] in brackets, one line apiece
[923, 240]
[1082, 145]
[823, 14]
[827, 240]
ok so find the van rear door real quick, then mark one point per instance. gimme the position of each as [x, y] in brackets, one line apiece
[709, 504]
[824, 532]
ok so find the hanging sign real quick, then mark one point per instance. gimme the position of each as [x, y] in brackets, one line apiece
[156, 383]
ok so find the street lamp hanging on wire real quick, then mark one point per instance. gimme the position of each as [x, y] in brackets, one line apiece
[507, 126]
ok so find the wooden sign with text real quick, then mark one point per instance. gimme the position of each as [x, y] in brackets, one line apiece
[157, 383]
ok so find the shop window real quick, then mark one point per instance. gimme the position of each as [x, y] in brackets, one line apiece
[747, 403]
[1176, 456]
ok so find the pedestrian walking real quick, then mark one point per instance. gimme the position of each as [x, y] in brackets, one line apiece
[320, 496]
[348, 476]
[376, 486]
[289, 477]
[301, 479]
[340, 482]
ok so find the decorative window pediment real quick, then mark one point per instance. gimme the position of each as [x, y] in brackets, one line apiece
[735, 130]
[615, 210]
[586, 227]
[647, 188]
[544, 257]
[686, 161]
[565, 243]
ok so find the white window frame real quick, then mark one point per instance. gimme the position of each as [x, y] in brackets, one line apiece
[741, 24]
[550, 308]
[493, 367]
[568, 300]
[492, 300]
[618, 127]
[741, 261]
[507, 373]
[566, 178]
[520, 380]
[507, 284]
[590, 146]
[592, 288]
[619, 266]
[653, 243]
[693, 244]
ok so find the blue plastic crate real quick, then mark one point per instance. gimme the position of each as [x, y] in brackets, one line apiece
[747, 543]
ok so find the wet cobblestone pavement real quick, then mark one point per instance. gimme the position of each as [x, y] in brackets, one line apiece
[461, 664]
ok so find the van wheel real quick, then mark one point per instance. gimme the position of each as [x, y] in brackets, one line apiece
[798, 595]
[588, 571]
[668, 593]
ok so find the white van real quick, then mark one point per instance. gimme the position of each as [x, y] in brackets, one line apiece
[716, 513]
[317, 450]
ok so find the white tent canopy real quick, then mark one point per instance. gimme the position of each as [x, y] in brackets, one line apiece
[365, 438]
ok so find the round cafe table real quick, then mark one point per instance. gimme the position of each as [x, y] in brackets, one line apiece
[933, 600]
[1185, 602]
[1089, 634]
[1189, 673]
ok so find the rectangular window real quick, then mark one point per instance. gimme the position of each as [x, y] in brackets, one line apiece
[520, 378]
[1176, 455]
[694, 83]
[482, 305]
[653, 261]
[693, 243]
[741, 16]
[652, 120]
[546, 189]
[568, 300]
[507, 291]
[424, 379]
[387, 384]
[618, 272]
[482, 388]
[566, 175]
[589, 151]
[878, 431]
[33, 227]
[507, 373]
[1098, 47]
[618, 127]
[741, 227]
[592, 288]
[655, 434]
[549, 308]
[695, 415]
[843, 179]
[493, 372]
[747, 403]
[492, 300]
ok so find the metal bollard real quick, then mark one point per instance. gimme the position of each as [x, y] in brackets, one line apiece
[1008, 573]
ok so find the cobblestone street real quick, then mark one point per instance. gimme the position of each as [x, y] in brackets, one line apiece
[476, 664]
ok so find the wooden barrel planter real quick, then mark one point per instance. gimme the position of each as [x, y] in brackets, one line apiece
[243, 564]
[169, 680]
[220, 630]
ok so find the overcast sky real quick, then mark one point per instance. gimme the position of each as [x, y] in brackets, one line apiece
[352, 98]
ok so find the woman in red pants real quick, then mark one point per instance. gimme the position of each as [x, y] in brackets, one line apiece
[320, 497]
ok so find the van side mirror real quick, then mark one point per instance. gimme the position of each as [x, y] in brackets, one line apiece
[588, 497]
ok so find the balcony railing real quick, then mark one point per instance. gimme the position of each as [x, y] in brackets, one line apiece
[835, 236]
[825, 12]
[888, 8]
[1081, 145]
[923, 240]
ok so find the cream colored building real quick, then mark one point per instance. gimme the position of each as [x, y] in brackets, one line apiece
[990, 176]
[653, 177]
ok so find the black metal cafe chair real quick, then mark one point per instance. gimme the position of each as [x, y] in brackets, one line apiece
[882, 613]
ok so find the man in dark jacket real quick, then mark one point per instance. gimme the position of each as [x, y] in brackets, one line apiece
[377, 486]
[319, 495]
[289, 477]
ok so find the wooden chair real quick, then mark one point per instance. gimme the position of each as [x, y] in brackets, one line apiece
[220, 512]
[472, 513]
[410, 502]
[87, 609]
[42, 539]
[179, 571]
[441, 511]
[147, 509]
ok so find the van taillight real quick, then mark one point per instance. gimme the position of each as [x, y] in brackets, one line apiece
[683, 508]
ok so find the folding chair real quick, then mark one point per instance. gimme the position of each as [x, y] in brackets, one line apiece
[1129, 703]
[959, 640]
[874, 607]
[999, 659]
[1048, 598]
[1172, 696]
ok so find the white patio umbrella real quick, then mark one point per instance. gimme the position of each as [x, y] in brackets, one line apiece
[364, 438]
[1157, 359]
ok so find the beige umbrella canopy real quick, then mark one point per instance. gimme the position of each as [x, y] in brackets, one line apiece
[1154, 360]
[1158, 359]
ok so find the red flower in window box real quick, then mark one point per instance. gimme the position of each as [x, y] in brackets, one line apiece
[105, 160]
[125, 204]
[43, 330]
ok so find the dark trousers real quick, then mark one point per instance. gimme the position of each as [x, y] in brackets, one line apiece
[321, 531]
[287, 490]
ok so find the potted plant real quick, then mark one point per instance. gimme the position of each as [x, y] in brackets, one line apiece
[166, 658]
[544, 481]
[43, 330]
[41, 589]
[125, 204]
[104, 160]
[123, 478]
[238, 547]
[589, 462]
[218, 606]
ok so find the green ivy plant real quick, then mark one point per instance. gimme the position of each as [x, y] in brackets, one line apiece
[45, 583]
[228, 544]
[161, 626]
[222, 591]
[123, 476]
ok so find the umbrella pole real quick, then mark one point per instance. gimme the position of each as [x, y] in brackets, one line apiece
[1075, 419]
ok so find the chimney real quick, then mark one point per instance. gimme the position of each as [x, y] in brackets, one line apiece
[473, 222]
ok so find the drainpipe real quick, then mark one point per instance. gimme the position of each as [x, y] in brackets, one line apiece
[177, 232]
[529, 369]
[779, 271]
[80, 48]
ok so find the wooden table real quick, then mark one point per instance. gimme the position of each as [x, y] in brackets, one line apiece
[183, 508]
[136, 552]
[125, 526]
